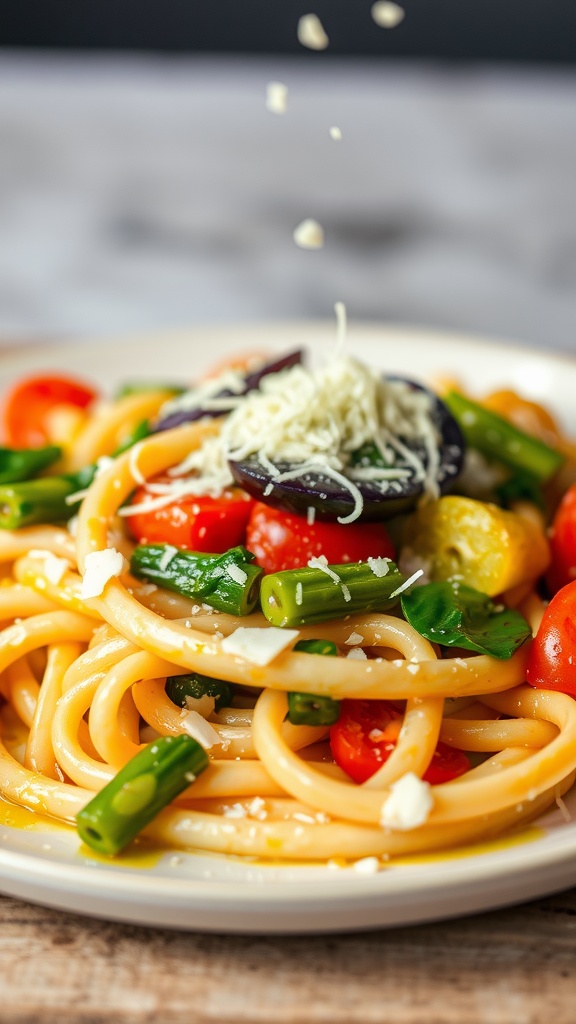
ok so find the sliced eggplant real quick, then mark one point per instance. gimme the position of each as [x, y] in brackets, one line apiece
[251, 383]
[331, 500]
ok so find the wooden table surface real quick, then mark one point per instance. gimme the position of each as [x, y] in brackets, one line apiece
[509, 967]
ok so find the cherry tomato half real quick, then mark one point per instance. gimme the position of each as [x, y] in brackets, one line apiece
[281, 540]
[195, 523]
[563, 543]
[365, 735]
[27, 405]
[552, 655]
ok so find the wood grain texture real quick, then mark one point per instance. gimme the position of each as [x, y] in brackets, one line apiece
[509, 967]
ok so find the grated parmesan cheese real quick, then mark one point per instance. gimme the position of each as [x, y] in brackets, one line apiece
[311, 32]
[336, 134]
[276, 97]
[309, 234]
[260, 645]
[99, 568]
[407, 583]
[408, 805]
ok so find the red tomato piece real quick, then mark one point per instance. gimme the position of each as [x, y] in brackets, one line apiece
[552, 655]
[281, 540]
[26, 406]
[365, 735]
[563, 543]
[195, 523]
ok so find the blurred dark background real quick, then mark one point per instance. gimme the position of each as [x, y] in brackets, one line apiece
[479, 30]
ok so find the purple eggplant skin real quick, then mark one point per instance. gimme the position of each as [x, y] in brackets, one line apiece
[251, 383]
[331, 501]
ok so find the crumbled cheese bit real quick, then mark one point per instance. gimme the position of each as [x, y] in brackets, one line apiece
[310, 515]
[379, 566]
[55, 568]
[336, 134]
[99, 568]
[200, 730]
[413, 669]
[72, 526]
[204, 705]
[145, 590]
[311, 32]
[298, 593]
[357, 654]
[237, 574]
[257, 644]
[235, 811]
[407, 583]
[354, 638]
[257, 809]
[408, 805]
[190, 777]
[166, 557]
[366, 866]
[276, 97]
[309, 234]
[345, 592]
[387, 14]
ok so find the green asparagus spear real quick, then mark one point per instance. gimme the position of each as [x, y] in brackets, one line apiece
[228, 582]
[23, 463]
[298, 597]
[133, 798]
[498, 439]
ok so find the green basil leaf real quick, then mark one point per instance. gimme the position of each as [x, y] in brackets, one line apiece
[454, 615]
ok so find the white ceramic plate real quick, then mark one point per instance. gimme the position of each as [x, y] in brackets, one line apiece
[44, 863]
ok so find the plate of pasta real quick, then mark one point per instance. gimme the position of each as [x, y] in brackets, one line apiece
[287, 633]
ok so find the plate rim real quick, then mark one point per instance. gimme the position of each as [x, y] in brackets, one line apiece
[20, 867]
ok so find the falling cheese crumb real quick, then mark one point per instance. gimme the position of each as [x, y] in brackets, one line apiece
[408, 805]
[99, 568]
[276, 97]
[387, 14]
[259, 645]
[336, 134]
[309, 234]
[311, 32]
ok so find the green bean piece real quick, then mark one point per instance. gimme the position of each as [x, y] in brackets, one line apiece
[299, 597]
[42, 500]
[310, 708]
[18, 464]
[140, 790]
[194, 685]
[325, 647]
[497, 439]
[228, 582]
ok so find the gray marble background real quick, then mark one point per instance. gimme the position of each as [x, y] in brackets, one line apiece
[144, 192]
